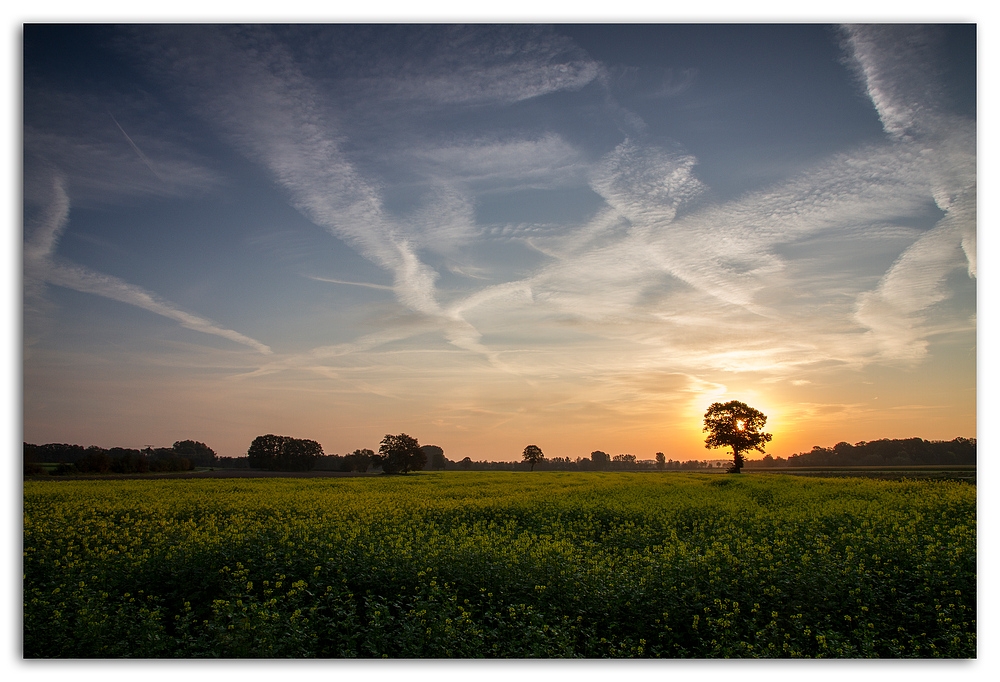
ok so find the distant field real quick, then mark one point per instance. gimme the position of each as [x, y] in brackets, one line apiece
[950, 472]
[959, 472]
[202, 472]
[466, 564]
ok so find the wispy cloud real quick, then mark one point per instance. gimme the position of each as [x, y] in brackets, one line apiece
[87, 281]
[473, 65]
[354, 284]
[42, 267]
[662, 263]
[546, 162]
[290, 133]
[99, 162]
[898, 67]
[508, 238]
[899, 70]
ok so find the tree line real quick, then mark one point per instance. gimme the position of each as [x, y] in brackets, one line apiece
[533, 458]
[397, 454]
[400, 454]
[883, 452]
[184, 455]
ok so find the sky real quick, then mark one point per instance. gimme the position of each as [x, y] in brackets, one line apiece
[575, 236]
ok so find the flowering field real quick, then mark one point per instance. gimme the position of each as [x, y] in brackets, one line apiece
[467, 564]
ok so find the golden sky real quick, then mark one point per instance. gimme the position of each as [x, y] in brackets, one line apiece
[489, 236]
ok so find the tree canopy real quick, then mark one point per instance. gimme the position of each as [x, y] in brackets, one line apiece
[196, 451]
[283, 453]
[533, 455]
[435, 456]
[600, 459]
[738, 426]
[400, 454]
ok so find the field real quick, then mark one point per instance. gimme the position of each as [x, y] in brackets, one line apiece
[469, 564]
[943, 472]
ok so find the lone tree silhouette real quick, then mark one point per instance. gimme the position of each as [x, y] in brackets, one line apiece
[533, 455]
[400, 454]
[738, 426]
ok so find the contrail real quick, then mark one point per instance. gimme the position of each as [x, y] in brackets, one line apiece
[135, 147]
[356, 284]
[84, 280]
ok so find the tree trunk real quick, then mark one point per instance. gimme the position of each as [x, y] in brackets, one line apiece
[738, 462]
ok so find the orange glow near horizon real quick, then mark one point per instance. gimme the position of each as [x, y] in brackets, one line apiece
[458, 254]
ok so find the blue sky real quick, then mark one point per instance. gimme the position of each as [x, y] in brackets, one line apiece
[487, 236]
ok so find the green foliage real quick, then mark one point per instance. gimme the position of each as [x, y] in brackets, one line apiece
[470, 564]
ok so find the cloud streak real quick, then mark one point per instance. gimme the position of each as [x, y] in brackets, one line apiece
[291, 134]
[41, 267]
[513, 233]
[659, 238]
[897, 65]
[142, 157]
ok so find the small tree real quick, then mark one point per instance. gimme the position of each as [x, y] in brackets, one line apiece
[533, 455]
[624, 461]
[359, 460]
[600, 459]
[738, 426]
[435, 456]
[661, 460]
[400, 454]
[196, 451]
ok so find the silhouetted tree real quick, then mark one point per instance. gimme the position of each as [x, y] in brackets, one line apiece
[465, 463]
[226, 462]
[128, 461]
[96, 461]
[31, 465]
[906, 451]
[435, 456]
[600, 459]
[283, 453]
[738, 426]
[165, 459]
[360, 460]
[400, 454]
[58, 452]
[767, 461]
[200, 454]
[624, 461]
[533, 455]
[661, 460]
